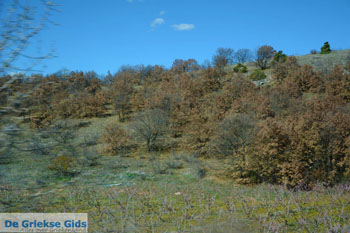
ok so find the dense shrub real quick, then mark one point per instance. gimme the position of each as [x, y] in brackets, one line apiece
[281, 70]
[299, 150]
[279, 57]
[257, 75]
[339, 83]
[64, 165]
[81, 106]
[117, 139]
[240, 68]
[306, 79]
[75, 97]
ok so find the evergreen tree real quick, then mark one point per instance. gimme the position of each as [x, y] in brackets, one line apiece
[326, 48]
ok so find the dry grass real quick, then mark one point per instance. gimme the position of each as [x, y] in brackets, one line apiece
[325, 62]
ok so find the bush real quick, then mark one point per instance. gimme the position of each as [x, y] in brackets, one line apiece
[313, 51]
[326, 48]
[64, 165]
[257, 75]
[306, 79]
[280, 71]
[200, 170]
[300, 150]
[160, 168]
[117, 138]
[279, 57]
[91, 158]
[174, 164]
[240, 68]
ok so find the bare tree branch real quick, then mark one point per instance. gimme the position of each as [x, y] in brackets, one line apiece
[20, 23]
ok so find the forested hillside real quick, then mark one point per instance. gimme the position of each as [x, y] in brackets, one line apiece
[294, 130]
[178, 132]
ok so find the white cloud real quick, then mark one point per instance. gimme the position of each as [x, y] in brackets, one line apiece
[130, 1]
[162, 13]
[183, 27]
[157, 22]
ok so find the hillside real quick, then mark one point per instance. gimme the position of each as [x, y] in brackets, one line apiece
[186, 149]
[325, 62]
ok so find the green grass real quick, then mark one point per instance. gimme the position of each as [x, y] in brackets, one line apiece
[133, 198]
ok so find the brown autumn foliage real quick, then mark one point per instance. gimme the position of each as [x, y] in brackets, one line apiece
[121, 93]
[306, 79]
[299, 150]
[281, 70]
[294, 131]
[232, 91]
[118, 140]
[339, 83]
[76, 97]
[81, 105]
[64, 165]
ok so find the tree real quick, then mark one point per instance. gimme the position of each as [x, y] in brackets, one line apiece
[326, 48]
[149, 126]
[178, 66]
[263, 56]
[191, 65]
[19, 25]
[223, 57]
[122, 92]
[279, 57]
[235, 133]
[338, 84]
[243, 55]
[206, 64]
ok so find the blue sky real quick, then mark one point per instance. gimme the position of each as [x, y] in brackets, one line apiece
[103, 35]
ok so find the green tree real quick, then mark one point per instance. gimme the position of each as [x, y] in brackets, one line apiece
[279, 57]
[326, 48]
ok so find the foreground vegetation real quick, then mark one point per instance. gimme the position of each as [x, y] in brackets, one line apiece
[124, 195]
